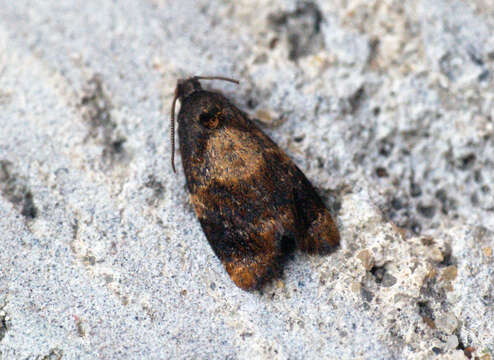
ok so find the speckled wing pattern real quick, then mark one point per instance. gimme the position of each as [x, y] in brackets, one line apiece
[255, 206]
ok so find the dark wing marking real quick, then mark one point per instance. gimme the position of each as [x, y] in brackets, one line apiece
[316, 230]
[249, 230]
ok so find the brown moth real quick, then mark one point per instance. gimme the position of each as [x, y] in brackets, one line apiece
[254, 204]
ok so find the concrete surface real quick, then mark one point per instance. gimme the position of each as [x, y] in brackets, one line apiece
[387, 107]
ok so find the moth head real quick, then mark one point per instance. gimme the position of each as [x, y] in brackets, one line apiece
[210, 118]
[185, 87]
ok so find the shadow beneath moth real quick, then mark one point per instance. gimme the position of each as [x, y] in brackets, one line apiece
[254, 204]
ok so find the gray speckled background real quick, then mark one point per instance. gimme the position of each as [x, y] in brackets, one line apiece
[387, 108]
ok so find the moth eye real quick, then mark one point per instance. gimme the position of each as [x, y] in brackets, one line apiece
[211, 118]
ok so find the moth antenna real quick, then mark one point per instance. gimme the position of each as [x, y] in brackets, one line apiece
[216, 78]
[172, 129]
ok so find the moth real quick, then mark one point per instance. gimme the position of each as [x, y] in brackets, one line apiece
[254, 204]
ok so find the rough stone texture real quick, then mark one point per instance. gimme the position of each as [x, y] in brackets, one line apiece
[387, 106]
